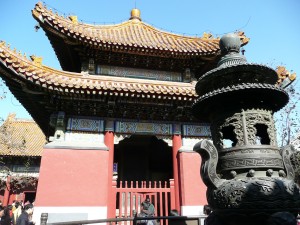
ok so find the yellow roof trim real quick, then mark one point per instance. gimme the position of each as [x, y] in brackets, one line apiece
[133, 33]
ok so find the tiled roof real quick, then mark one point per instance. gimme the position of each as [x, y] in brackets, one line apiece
[78, 83]
[130, 36]
[21, 137]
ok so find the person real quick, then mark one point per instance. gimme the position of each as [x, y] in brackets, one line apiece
[13, 206]
[206, 210]
[4, 215]
[10, 207]
[147, 210]
[24, 217]
[174, 212]
[172, 221]
[17, 212]
[282, 218]
[26, 203]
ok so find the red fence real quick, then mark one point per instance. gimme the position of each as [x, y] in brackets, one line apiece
[130, 195]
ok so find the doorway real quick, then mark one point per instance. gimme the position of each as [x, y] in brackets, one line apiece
[29, 196]
[143, 158]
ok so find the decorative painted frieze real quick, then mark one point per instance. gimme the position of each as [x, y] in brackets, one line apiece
[138, 73]
[176, 129]
[143, 128]
[202, 130]
[132, 127]
[87, 125]
[109, 125]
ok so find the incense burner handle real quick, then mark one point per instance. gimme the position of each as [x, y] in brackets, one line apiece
[208, 171]
[286, 153]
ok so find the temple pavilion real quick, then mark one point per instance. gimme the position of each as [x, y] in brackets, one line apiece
[117, 116]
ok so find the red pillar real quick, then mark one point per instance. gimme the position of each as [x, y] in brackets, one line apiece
[109, 142]
[177, 142]
[172, 191]
[7, 191]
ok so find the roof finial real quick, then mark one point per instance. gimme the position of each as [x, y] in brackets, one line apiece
[11, 117]
[135, 14]
[230, 45]
[36, 60]
[74, 19]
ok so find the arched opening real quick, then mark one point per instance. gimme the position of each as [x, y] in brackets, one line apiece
[143, 158]
[229, 137]
[262, 136]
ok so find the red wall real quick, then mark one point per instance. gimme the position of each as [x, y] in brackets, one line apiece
[192, 188]
[73, 178]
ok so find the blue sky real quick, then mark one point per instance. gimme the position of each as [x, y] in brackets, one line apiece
[272, 25]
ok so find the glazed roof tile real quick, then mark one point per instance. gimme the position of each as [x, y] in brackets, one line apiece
[285, 77]
[70, 82]
[20, 137]
[130, 35]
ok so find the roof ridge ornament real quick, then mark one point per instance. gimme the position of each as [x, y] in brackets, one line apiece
[11, 117]
[36, 60]
[74, 19]
[207, 36]
[285, 77]
[135, 14]
[244, 40]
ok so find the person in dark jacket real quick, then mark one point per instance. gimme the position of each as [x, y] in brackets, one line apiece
[4, 215]
[24, 217]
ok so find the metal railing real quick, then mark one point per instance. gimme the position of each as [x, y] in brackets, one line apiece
[176, 220]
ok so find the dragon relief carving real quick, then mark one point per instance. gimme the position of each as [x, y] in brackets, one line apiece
[242, 193]
[255, 117]
[237, 135]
